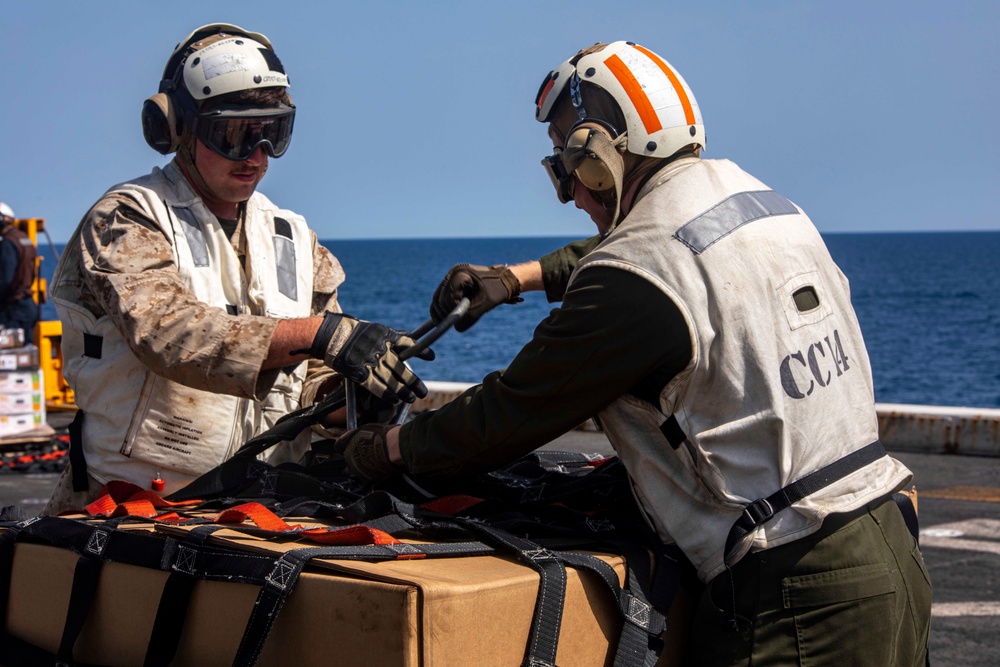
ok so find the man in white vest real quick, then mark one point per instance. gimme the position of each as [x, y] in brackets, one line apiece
[195, 311]
[712, 334]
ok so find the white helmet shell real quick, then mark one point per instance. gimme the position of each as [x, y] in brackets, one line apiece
[6, 211]
[661, 113]
[230, 65]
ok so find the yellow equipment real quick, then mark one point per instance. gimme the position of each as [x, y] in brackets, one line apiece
[48, 333]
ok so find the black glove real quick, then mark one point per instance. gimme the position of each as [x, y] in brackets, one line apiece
[485, 286]
[367, 353]
[367, 454]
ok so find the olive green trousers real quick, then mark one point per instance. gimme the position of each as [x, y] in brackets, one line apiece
[854, 593]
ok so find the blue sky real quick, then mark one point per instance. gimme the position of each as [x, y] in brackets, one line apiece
[416, 118]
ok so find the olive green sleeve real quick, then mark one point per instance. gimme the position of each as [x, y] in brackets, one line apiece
[613, 332]
[557, 266]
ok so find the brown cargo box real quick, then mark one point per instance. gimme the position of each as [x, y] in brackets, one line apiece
[467, 611]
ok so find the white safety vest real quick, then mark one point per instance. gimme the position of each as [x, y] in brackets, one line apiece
[773, 391]
[138, 424]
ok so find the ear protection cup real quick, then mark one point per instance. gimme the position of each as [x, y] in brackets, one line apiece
[160, 125]
[592, 171]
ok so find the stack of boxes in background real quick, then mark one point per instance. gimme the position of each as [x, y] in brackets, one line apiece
[22, 396]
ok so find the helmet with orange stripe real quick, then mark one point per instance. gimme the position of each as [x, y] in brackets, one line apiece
[660, 112]
[625, 99]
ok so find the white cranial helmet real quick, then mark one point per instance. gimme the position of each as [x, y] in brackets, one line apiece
[660, 111]
[230, 65]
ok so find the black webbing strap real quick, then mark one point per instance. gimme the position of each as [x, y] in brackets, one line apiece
[229, 478]
[763, 510]
[643, 624]
[290, 425]
[543, 640]
[277, 587]
[77, 461]
[169, 622]
[85, 577]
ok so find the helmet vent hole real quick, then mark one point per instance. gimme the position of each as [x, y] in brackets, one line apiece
[195, 62]
[590, 72]
[651, 146]
[694, 130]
[240, 42]
[257, 78]
[206, 90]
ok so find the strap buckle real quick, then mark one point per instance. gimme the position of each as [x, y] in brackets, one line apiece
[758, 512]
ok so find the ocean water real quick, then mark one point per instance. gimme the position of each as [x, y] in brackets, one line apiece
[928, 303]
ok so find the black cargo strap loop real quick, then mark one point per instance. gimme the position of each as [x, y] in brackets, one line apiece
[277, 587]
[543, 640]
[82, 594]
[171, 612]
[77, 461]
[763, 510]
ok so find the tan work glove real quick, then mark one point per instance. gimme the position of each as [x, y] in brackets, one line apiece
[368, 353]
[486, 287]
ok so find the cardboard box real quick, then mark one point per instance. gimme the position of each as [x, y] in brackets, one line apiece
[19, 424]
[19, 358]
[21, 403]
[11, 338]
[14, 382]
[467, 611]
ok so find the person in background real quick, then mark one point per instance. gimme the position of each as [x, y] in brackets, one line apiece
[18, 309]
[195, 311]
[709, 330]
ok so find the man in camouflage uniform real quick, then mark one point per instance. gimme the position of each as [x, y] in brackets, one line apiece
[196, 312]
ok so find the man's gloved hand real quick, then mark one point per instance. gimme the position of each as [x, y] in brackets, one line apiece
[367, 353]
[367, 453]
[485, 286]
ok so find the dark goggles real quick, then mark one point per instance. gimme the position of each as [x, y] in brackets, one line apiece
[562, 180]
[236, 132]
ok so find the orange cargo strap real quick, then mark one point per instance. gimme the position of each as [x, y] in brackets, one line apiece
[127, 496]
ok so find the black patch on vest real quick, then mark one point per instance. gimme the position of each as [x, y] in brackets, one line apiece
[92, 345]
[282, 228]
[673, 432]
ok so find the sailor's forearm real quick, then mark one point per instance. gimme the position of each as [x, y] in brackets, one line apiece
[529, 275]
[291, 336]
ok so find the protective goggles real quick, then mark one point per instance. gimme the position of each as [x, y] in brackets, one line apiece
[577, 161]
[236, 132]
[562, 179]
